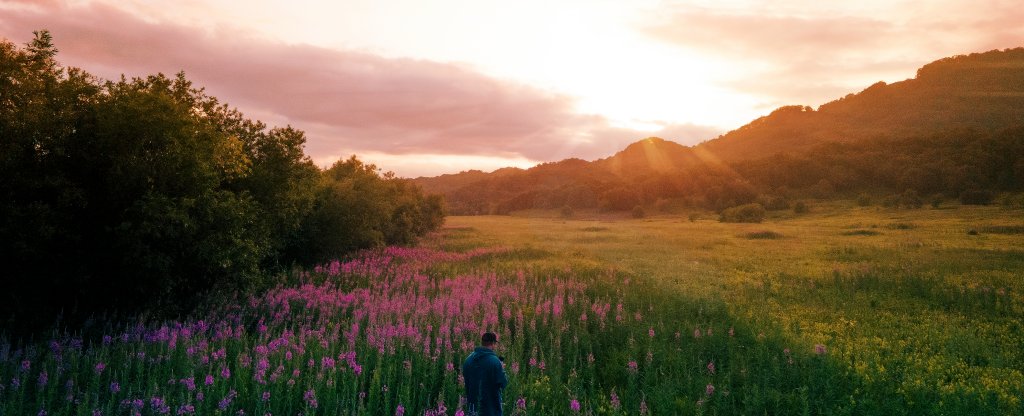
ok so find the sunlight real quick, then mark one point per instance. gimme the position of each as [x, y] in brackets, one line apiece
[416, 165]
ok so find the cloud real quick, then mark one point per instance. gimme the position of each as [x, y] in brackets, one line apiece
[805, 52]
[346, 101]
[768, 37]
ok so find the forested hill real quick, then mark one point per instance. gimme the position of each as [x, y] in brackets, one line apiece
[981, 91]
[954, 128]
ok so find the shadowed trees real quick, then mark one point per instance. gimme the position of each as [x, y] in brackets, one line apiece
[145, 194]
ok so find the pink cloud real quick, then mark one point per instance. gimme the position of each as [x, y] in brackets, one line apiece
[806, 53]
[347, 101]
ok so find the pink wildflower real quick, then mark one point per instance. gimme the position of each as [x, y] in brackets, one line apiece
[819, 349]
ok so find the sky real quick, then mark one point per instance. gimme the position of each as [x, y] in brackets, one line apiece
[423, 88]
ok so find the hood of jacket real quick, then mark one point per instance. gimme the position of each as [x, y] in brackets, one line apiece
[480, 353]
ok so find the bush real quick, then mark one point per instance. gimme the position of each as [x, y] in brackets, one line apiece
[662, 205]
[751, 213]
[566, 212]
[891, 201]
[863, 199]
[773, 203]
[638, 212]
[153, 195]
[861, 232]
[800, 208]
[976, 197]
[910, 199]
[763, 235]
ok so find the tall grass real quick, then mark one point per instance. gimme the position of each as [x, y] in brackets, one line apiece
[641, 322]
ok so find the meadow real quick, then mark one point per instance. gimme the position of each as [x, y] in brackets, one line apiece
[843, 310]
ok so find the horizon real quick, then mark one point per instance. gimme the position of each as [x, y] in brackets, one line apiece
[481, 86]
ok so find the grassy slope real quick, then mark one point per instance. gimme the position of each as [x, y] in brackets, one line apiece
[919, 313]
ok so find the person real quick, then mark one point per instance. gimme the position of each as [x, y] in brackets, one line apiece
[484, 375]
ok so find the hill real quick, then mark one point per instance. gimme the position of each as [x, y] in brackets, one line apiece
[955, 127]
[981, 91]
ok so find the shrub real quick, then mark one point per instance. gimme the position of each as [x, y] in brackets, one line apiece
[763, 235]
[1003, 229]
[752, 213]
[910, 199]
[901, 226]
[976, 197]
[891, 201]
[861, 232]
[800, 208]
[566, 212]
[863, 200]
[662, 205]
[773, 203]
[638, 212]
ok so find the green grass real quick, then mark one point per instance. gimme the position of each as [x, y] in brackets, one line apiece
[802, 314]
[923, 319]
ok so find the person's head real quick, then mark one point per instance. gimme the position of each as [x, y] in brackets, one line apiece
[489, 339]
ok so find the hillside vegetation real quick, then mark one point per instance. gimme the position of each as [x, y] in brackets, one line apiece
[957, 127]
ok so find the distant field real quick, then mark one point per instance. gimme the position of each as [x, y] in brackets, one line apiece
[920, 310]
[843, 310]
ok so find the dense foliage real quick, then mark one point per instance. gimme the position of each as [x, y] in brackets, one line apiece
[142, 193]
[743, 213]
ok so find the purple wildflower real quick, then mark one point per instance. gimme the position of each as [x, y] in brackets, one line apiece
[632, 367]
[310, 398]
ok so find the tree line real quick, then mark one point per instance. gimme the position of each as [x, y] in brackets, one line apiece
[952, 164]
[146, 194]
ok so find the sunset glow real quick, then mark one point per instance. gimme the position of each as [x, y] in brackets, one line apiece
[429, 88]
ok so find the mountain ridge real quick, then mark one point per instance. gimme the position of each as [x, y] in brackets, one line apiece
[979, 94]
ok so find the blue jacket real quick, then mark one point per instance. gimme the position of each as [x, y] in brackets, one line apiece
[485, 378]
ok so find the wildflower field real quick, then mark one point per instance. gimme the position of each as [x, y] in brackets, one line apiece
[846, 310]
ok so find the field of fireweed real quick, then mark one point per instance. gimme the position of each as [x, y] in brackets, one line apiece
[384, 333]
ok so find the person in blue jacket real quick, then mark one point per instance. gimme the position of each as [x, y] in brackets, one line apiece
[484, 375]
